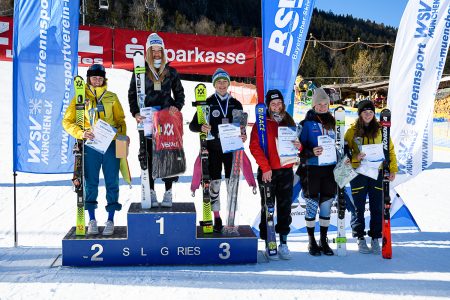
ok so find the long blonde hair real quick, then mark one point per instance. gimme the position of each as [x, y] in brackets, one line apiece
[149, 60]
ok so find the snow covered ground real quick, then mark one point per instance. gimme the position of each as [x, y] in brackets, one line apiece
[419, 269]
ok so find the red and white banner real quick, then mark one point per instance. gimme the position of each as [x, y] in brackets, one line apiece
[6, 38]
[95, 46]
[188, 53]
[126, 42]
[191, 54]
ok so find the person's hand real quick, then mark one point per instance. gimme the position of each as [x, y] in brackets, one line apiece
[88, 135]
[139, 118]
[173, 109]
[267, 176]
[244, 138]
[391, 176]
[297, 144]
[205, 128]
[318, 150]
[347, 161]
[360, 156]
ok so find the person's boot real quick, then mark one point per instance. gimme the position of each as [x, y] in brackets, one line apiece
[313, 248]
[217, 225]
[324, 247]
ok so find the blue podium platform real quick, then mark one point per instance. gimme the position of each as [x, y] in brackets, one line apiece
[159, 236]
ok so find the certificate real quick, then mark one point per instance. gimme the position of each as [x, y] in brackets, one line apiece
[369, 169]
[374, 152]
[147, 112]
[104, 134]
[287, 135]
[328, 156]
[230, 137]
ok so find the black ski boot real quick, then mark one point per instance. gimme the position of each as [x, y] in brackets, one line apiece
[323, 243]
[217, 225]
[313, 248]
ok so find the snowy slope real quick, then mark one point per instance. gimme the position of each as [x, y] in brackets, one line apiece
[46, 210]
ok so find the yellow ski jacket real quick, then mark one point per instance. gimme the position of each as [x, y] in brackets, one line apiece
[112, 112]
[350, 140]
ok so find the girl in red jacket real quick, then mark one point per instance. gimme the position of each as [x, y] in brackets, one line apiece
[270, 170]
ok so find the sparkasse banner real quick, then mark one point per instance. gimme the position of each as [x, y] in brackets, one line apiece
[6, 40]
[417, 65]
[189, 53]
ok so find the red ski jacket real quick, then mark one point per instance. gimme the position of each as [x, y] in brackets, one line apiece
[273, 161]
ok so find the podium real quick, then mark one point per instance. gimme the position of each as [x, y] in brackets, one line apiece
[159, 236]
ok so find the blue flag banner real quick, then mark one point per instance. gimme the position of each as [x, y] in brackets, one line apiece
[44, 62]
[285, 25]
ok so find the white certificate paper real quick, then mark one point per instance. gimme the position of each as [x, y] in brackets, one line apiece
[230, 137]
[286, 135]
[104, 134]
[328, 156]
[374, 152]
[147, 112]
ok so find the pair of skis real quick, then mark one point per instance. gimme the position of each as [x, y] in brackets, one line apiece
[78, 151]
[241, 118]
[139, 73]
[269, 201]
[203, 111]
[341, 239]
[386, 248]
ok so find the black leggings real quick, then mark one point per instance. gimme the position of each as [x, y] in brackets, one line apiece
[282, 189]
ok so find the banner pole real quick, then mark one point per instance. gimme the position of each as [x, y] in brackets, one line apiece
[15, 210]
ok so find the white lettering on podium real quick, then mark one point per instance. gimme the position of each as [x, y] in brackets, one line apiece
[188, 251]
[126, 251]
[164, 251]
[142, 252]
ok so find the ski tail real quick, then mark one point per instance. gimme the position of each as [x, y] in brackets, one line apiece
[386, 248]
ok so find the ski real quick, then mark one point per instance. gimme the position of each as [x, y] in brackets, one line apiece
[78, 151]
[203, 116]
[341, 239]
[139, 73]
[385, 120]
[269, 201]
[241, 118]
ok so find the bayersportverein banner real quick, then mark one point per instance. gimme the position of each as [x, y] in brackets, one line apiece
[417, 65]
[44, 63]
[284, 28]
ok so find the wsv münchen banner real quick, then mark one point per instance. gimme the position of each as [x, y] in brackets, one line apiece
[417, 65]
[285, 25]
[44, 63]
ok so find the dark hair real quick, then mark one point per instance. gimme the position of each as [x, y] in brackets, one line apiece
[370, 131]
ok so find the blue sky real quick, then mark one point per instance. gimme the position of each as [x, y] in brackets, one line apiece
[388, 12]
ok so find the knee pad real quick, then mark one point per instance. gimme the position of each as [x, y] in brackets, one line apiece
[214, 189]
[311, 208]
[325, 208]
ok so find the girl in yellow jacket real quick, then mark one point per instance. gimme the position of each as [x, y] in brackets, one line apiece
[106, 106]
[367, 130]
